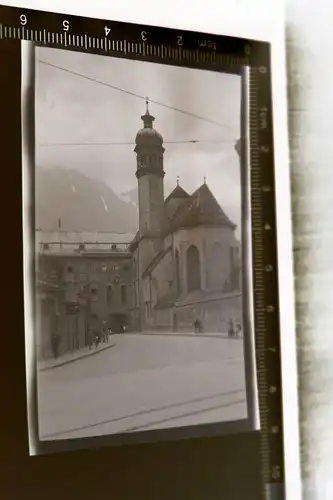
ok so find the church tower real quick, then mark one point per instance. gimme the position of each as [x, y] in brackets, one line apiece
[150, 174]
[149, 156]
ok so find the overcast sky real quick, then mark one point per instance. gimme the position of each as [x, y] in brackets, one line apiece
[71, 109]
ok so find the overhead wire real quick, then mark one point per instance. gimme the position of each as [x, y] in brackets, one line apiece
[131, 143]
[133, 94]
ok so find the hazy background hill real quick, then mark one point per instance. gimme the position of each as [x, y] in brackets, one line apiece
[82, 203]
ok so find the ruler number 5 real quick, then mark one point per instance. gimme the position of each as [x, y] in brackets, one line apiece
[23, 19]
[276, 472]
[65, 25]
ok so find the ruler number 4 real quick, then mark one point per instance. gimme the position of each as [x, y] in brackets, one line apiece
[23, 19]
[107, 31]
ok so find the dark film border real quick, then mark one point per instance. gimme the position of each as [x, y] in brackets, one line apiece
[259, 55]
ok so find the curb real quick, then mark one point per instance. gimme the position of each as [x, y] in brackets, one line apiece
[197, 335]
[67, 361]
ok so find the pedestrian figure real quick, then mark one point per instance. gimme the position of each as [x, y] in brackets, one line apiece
[238, 329]
[231, 328]
[105, 335]
[55, 340]
[97, 339]
[197, 326]
[91, 338]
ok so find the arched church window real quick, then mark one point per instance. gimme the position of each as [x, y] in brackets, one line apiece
[216, 266]
[193, 268]
[178, 280]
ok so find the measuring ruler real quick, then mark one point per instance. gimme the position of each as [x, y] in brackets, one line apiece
[218, 53]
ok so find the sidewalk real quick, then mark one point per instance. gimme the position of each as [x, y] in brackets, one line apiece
[47, 364]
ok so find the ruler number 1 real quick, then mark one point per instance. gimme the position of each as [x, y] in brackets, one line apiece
[23, 19]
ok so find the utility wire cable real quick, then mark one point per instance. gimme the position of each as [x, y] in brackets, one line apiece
[193, 141]
[133, 94]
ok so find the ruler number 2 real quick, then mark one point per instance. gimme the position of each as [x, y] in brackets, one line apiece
[23, 19]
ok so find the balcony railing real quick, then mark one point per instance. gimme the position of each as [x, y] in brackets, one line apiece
[57, 247]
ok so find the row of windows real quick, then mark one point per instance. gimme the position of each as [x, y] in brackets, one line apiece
[81, 246]
[101, 268]
[110, 294]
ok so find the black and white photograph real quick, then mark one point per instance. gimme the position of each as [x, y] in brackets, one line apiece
[139, 252]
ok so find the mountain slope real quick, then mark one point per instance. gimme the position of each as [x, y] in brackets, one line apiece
[82, 204]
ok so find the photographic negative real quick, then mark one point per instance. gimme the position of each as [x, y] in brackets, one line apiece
[142, 275]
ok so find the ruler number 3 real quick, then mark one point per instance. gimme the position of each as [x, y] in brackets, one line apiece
[23, 19]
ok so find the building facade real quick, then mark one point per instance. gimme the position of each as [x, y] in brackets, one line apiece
[92, 274]
[186, 257]
[184, 264]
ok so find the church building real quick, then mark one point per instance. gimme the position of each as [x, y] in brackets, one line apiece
[186, 258]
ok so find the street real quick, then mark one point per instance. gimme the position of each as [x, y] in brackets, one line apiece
[144, 382]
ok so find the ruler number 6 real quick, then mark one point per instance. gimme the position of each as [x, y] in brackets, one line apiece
[23, 19]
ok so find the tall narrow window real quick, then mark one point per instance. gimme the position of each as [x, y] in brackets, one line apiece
[216, 265]
[178, 280]
[94, 293]
[123, 295]
[109, 295]
[232, 259]
[193, 269]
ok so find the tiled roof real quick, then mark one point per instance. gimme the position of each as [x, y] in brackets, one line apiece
[62, 236]
[177, 193]
[200, 208]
